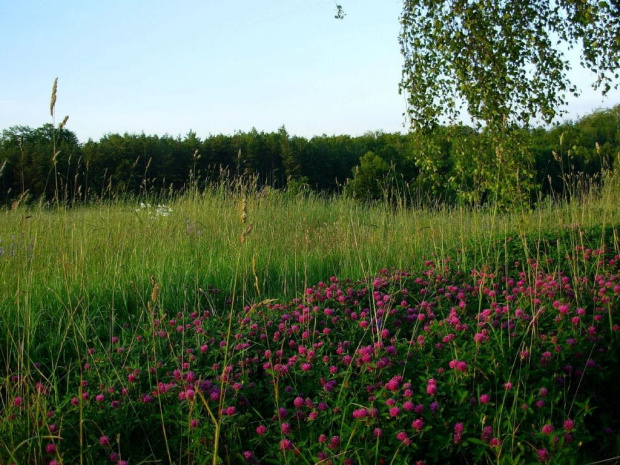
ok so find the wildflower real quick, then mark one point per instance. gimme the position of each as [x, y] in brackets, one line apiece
[50, 448]
[261, 430]
[104, 441]
[394, 411]
[431, 387]
[286, 428]
[543, 455]
[458, 433]
[394, 384]
[377, 433]
[484, 399]
[547, 429]
[569, 425]
[418, 424]
[17, 401]
[402, 437]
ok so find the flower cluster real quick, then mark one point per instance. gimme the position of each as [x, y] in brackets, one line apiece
[425, 366]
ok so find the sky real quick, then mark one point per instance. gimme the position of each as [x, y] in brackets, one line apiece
[210, 66]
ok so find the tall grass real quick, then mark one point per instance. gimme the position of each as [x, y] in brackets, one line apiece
[99, 259]
[71, 278]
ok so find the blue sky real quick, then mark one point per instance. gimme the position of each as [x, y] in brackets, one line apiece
[211, 66]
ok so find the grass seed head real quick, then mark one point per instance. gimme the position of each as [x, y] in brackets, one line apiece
[64, 122]
[244, 210]
[53, 99]
[247, 231]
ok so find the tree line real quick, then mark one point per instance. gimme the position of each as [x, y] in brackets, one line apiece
[447, 164]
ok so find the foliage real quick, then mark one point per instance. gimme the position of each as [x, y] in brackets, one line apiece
[502, 58]
[449, 164]
[369, 178]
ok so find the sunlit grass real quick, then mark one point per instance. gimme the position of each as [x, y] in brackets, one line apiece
[72, 278]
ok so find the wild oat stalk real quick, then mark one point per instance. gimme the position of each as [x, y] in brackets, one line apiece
[55, 137]
[53, 100]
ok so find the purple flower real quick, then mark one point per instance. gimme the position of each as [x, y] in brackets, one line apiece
[261, 430]
[402, 437]
[417, 424]
[547, 429]
[543, 455]
[569, 425]
[286, 428]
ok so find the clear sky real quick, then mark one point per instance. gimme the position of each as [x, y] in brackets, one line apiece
[211, 66]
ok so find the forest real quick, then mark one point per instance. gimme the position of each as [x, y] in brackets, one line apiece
[444, 165]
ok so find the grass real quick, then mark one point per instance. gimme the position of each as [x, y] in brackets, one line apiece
[85, 292]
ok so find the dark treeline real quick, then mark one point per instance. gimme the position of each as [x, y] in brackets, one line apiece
[454, 164]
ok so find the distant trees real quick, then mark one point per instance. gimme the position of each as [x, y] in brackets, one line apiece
[451, 164]
[30, 168]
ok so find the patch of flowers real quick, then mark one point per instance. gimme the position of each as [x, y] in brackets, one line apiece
[437, 365]
[154, 212]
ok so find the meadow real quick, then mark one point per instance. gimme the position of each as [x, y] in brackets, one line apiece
[247, 325]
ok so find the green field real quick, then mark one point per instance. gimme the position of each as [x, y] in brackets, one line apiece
[92, 299]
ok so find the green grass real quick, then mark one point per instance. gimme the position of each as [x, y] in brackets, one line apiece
[99, 260]
[70, 278]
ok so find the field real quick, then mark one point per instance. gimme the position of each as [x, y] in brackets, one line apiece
[239, 325]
